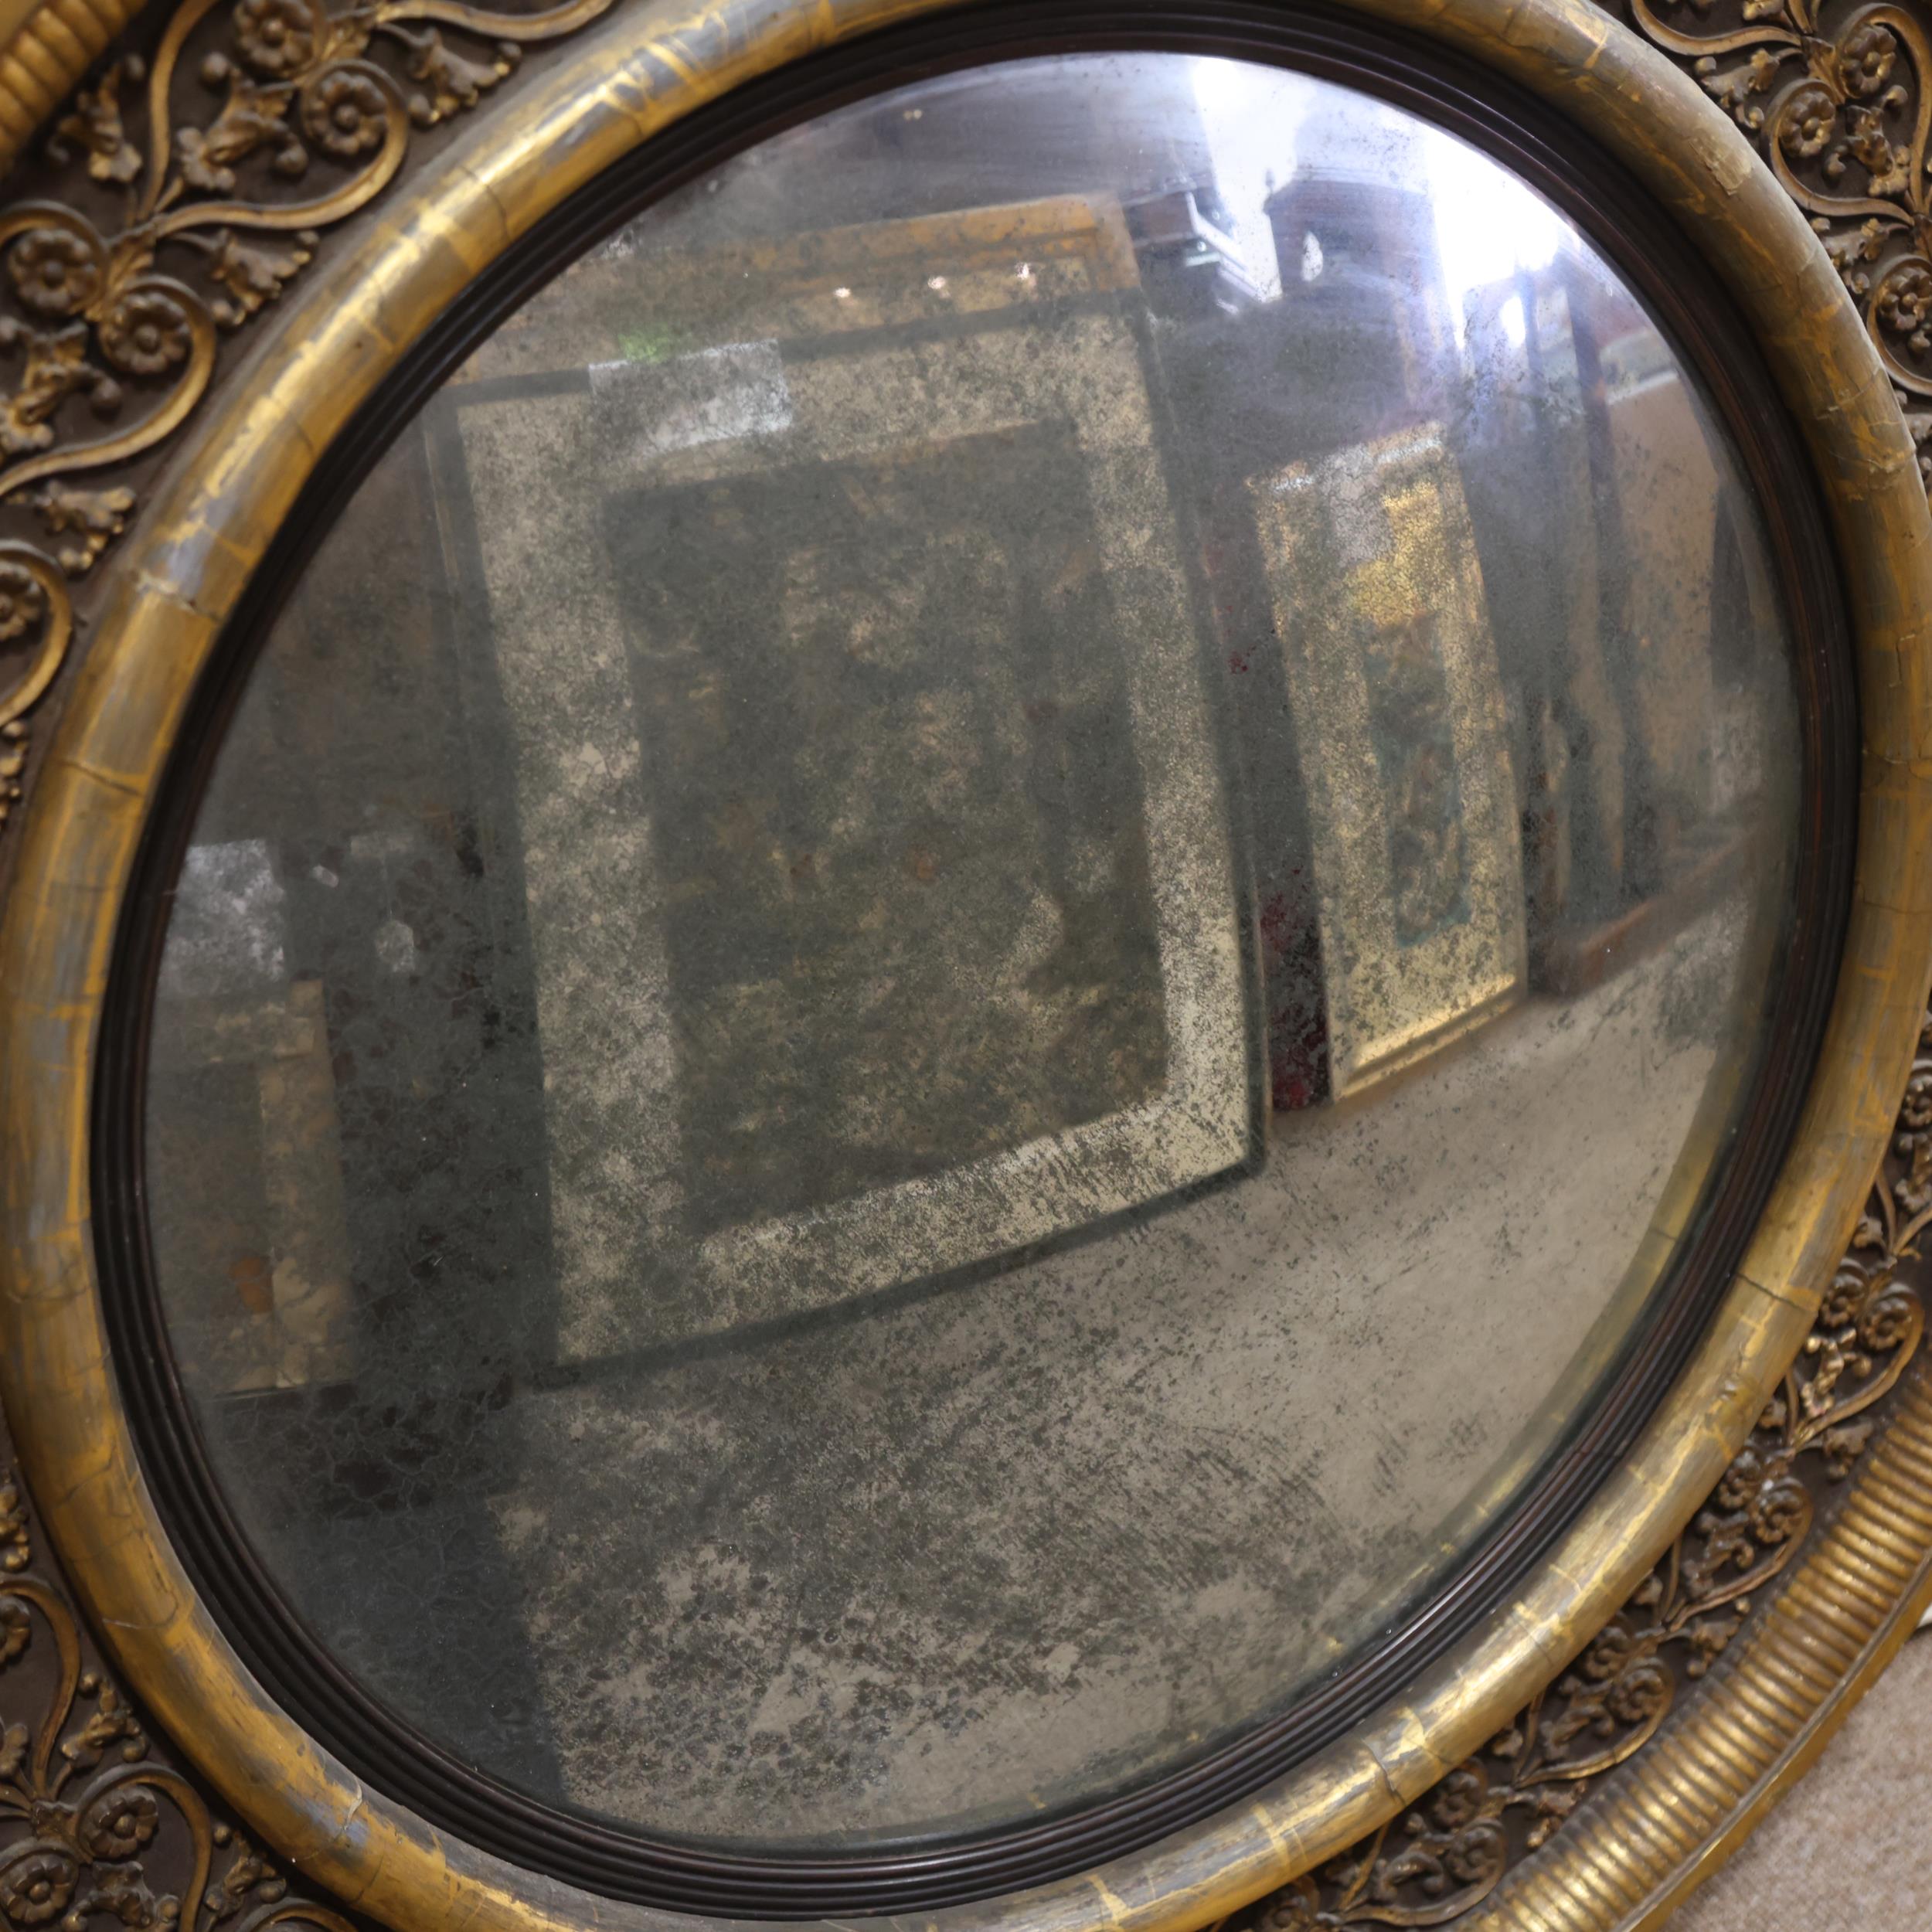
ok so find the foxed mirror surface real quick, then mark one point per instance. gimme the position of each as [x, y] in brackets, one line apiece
[969, 954]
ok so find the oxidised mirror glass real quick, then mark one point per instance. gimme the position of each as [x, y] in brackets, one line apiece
[970, 952]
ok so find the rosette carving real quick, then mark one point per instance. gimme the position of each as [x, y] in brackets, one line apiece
[1836, 100]
[114, 329]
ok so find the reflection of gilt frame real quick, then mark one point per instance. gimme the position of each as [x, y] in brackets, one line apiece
[1392, 673]
[872, 400]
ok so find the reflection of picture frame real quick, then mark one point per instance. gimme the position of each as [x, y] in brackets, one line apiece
[1391, 671]
[263, 1227]
[718, 488]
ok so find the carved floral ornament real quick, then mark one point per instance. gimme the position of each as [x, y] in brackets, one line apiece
[1838, 102]
[95, 1829]
[222, 207]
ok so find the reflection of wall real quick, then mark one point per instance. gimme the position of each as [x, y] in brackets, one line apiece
[350, 1075]
[257, 1217]
[1668, 487]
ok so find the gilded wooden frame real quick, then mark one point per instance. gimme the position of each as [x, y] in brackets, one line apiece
[233, 474]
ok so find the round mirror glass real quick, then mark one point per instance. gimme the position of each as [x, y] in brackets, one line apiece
[970, 954]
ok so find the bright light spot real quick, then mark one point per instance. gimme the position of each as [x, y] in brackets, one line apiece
[1025, 271]
[1515, 325]
[844, 294]
[936, 283]
[1489, 225]
[1249, 114]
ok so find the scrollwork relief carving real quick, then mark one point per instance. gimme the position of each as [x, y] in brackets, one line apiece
[111, 329]
[95, 1827]
[1836, 100]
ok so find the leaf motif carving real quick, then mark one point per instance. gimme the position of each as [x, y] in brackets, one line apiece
[128, 319]
[94, 125]
[89, 1815]
[1838, 100]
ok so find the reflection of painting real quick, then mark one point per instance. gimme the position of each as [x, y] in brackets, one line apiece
[884, 901]
[1414, 738]
[897, 814]
[1392, 673]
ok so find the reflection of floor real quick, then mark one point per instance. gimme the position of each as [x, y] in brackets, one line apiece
[1072, 1519]
[1847, 1850]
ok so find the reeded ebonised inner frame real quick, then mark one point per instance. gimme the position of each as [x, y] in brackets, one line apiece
[1662, 267]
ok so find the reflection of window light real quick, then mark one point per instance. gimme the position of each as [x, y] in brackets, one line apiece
[1514, 325]
[1249, 114]
[1489, 225]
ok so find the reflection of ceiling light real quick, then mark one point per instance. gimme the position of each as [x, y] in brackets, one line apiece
[936, 283]
[1025, 271]
[844, 294]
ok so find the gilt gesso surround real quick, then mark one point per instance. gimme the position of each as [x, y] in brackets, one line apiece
[1640, 1746]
